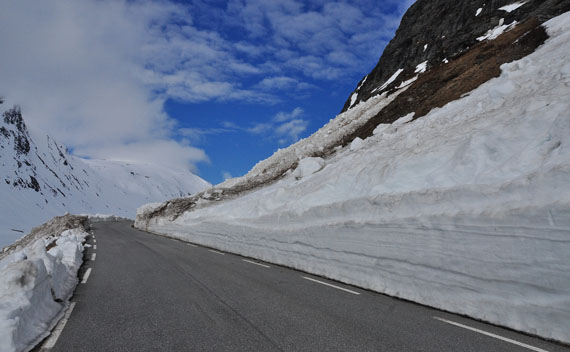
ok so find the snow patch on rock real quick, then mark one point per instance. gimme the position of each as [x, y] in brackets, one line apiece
[513, 6]
[421, 68]
[497, 31]
[390, 80]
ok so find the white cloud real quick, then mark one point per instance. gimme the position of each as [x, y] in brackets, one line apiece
[285, 127]
[76, 69]
[285, 116]
[95, 74]
[260, 128]
[197, 135]
[226, 175]
[283, 83]
[321, 39]
[280, 82]
[291, 130]
[167, 153]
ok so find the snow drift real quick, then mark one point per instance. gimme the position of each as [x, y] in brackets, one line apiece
[36, 281]
[465, 209]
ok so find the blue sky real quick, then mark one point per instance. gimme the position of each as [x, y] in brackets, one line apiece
[210, 86]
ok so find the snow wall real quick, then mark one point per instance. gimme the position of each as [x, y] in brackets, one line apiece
[35, 286]
[466, 209]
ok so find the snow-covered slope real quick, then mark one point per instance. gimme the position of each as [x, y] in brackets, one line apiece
[41, 180]
[465, 209]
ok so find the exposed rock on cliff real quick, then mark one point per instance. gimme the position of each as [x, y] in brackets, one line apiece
[436, 31]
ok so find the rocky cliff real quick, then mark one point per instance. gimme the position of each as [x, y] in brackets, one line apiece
[435, 32]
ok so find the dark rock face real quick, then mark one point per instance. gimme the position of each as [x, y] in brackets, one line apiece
[445, 83]
[14, 117]
[22, 145]
[434, 30]
[21, 139]
[4, 132]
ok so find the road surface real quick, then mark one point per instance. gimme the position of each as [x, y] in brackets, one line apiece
[142, 292]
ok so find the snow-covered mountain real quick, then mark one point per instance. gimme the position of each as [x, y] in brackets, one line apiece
[444, 181]
[41, 180]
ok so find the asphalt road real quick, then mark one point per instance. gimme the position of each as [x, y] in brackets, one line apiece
[150, 293]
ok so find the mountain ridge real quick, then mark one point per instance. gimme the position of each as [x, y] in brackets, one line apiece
[435, 31]
[41, 179]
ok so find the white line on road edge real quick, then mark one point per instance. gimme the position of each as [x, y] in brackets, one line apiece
[327, 284]
[52, 340]
[214, 251]
[94, 240]
[93, 256]
[94, 246]
[252, 262]
[491, 335]
[193, 245]
[86, 276]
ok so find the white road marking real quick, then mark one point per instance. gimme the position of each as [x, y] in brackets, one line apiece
[93, 256]
[330, 285]
[52, 340]
[94, 240]
[214, 251]
[193, 245]
[94, 246]
[86, 276]
[491, 335]
[252, 262]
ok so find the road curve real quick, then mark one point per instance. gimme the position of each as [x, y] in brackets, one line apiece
[144, 292]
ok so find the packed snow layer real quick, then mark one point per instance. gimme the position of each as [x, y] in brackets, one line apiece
[35, 285]
[66, 183]
[465, 209]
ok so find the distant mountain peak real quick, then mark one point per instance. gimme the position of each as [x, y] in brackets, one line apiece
[40, 179]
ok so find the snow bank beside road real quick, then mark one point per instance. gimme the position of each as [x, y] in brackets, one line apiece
[465, 209]
[35, 285]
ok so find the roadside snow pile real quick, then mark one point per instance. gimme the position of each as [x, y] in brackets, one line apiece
[35, 285]
[465, 209]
